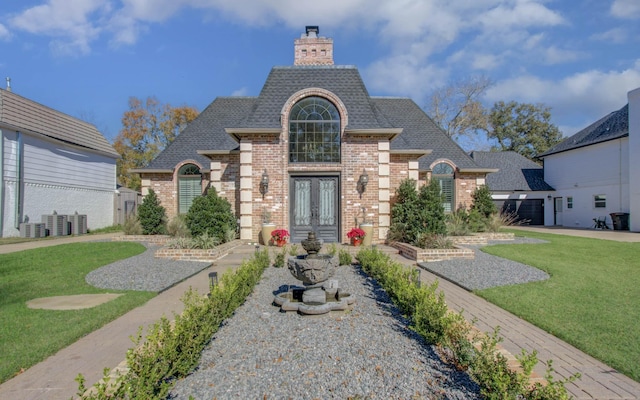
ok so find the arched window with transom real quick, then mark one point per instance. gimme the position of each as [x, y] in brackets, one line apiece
[314, 131]
[189, 186]
[443, 174]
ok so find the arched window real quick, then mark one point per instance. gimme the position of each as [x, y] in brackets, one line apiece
[443, 174]
[314, 131]
[189, 186]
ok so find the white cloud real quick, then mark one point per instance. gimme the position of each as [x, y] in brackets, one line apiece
[585, 96]
[67, 21]
[626, 9]
[243, 91]
[554, 55]
[615, 35]
[401, 75]
[4, 33]
[519, 14]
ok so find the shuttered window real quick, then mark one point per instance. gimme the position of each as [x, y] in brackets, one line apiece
[443, 174]
[189, 186]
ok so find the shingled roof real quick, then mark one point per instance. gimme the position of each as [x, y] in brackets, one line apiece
[207, 131]
[610, 127]
[22, 114]
[516, 173]
[419, 132]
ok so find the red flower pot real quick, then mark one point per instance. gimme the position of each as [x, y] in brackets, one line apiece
[281, 243]
[356, 242]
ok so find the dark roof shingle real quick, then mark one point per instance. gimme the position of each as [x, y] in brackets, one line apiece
[612, 126]
[516, 172]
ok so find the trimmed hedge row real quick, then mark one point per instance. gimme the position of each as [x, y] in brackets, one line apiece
[430, 317]
[171, 350]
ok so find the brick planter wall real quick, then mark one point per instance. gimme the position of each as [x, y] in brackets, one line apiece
[421, 255]
[207, 255]
[154, 239]
[481, 238]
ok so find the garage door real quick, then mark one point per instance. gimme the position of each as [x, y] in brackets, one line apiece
[530, 211]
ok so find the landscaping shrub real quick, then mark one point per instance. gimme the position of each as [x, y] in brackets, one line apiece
[132, 225]
[482, 201]
[431, 318]
[458, 223]
[434, 241]
[171, 351]
[177, 227]
[152, 215]
[211, 214]
[344, 257]
[417, 213]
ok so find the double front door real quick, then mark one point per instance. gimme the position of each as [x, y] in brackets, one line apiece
[314, 207]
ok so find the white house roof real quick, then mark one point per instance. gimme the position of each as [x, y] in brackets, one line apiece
[26, 115]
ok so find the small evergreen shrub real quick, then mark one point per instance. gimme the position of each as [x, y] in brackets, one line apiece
[211, 214]
[482, 201]
[152, 215]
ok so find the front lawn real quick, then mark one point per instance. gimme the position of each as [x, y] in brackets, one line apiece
[591, 301]
[28, 336]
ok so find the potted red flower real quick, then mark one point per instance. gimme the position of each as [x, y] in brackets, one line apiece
[279, 237]
[356, 235]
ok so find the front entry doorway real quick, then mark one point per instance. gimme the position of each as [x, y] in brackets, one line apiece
[314, 207]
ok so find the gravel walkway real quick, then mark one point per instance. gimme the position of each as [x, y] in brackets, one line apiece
[144, 272]
[487, 271]
[366, 353]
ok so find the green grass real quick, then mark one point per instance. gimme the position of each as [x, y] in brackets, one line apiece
[591, 301]
[28, 336]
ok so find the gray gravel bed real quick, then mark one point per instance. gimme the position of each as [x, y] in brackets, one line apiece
[144, 272]
[367, 352]
[485, 270]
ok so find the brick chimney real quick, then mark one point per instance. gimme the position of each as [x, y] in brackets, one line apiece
[311, 49]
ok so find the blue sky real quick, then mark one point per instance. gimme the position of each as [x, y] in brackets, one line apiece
[87, 57]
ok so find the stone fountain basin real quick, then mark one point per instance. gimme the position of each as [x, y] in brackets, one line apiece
[312, 270]
[292, 301]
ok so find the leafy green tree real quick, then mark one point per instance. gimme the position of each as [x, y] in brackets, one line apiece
[523, 128]
[152, 215]
[211, 214]
[147, 128]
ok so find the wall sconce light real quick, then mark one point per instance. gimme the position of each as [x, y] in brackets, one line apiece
[362, 182]
[549, 197]
[264, 183]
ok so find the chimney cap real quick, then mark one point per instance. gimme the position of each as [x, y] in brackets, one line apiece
[314, 29]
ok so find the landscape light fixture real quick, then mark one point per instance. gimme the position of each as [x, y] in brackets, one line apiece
[362, 182]
[264, 183]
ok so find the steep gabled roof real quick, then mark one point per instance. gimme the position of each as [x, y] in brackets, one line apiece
[610, 127]
[26, 115]
[516, 172]
[206, 132]
[420, 132]
[344, 81]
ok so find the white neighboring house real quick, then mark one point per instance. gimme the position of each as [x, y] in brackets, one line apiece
[50, 161]
[596, 172]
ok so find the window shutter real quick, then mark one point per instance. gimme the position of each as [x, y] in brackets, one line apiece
[188, 189]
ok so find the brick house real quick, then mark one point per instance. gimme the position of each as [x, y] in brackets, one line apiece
[313, 135]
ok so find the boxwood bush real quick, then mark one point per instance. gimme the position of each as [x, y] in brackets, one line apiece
[211, 214]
